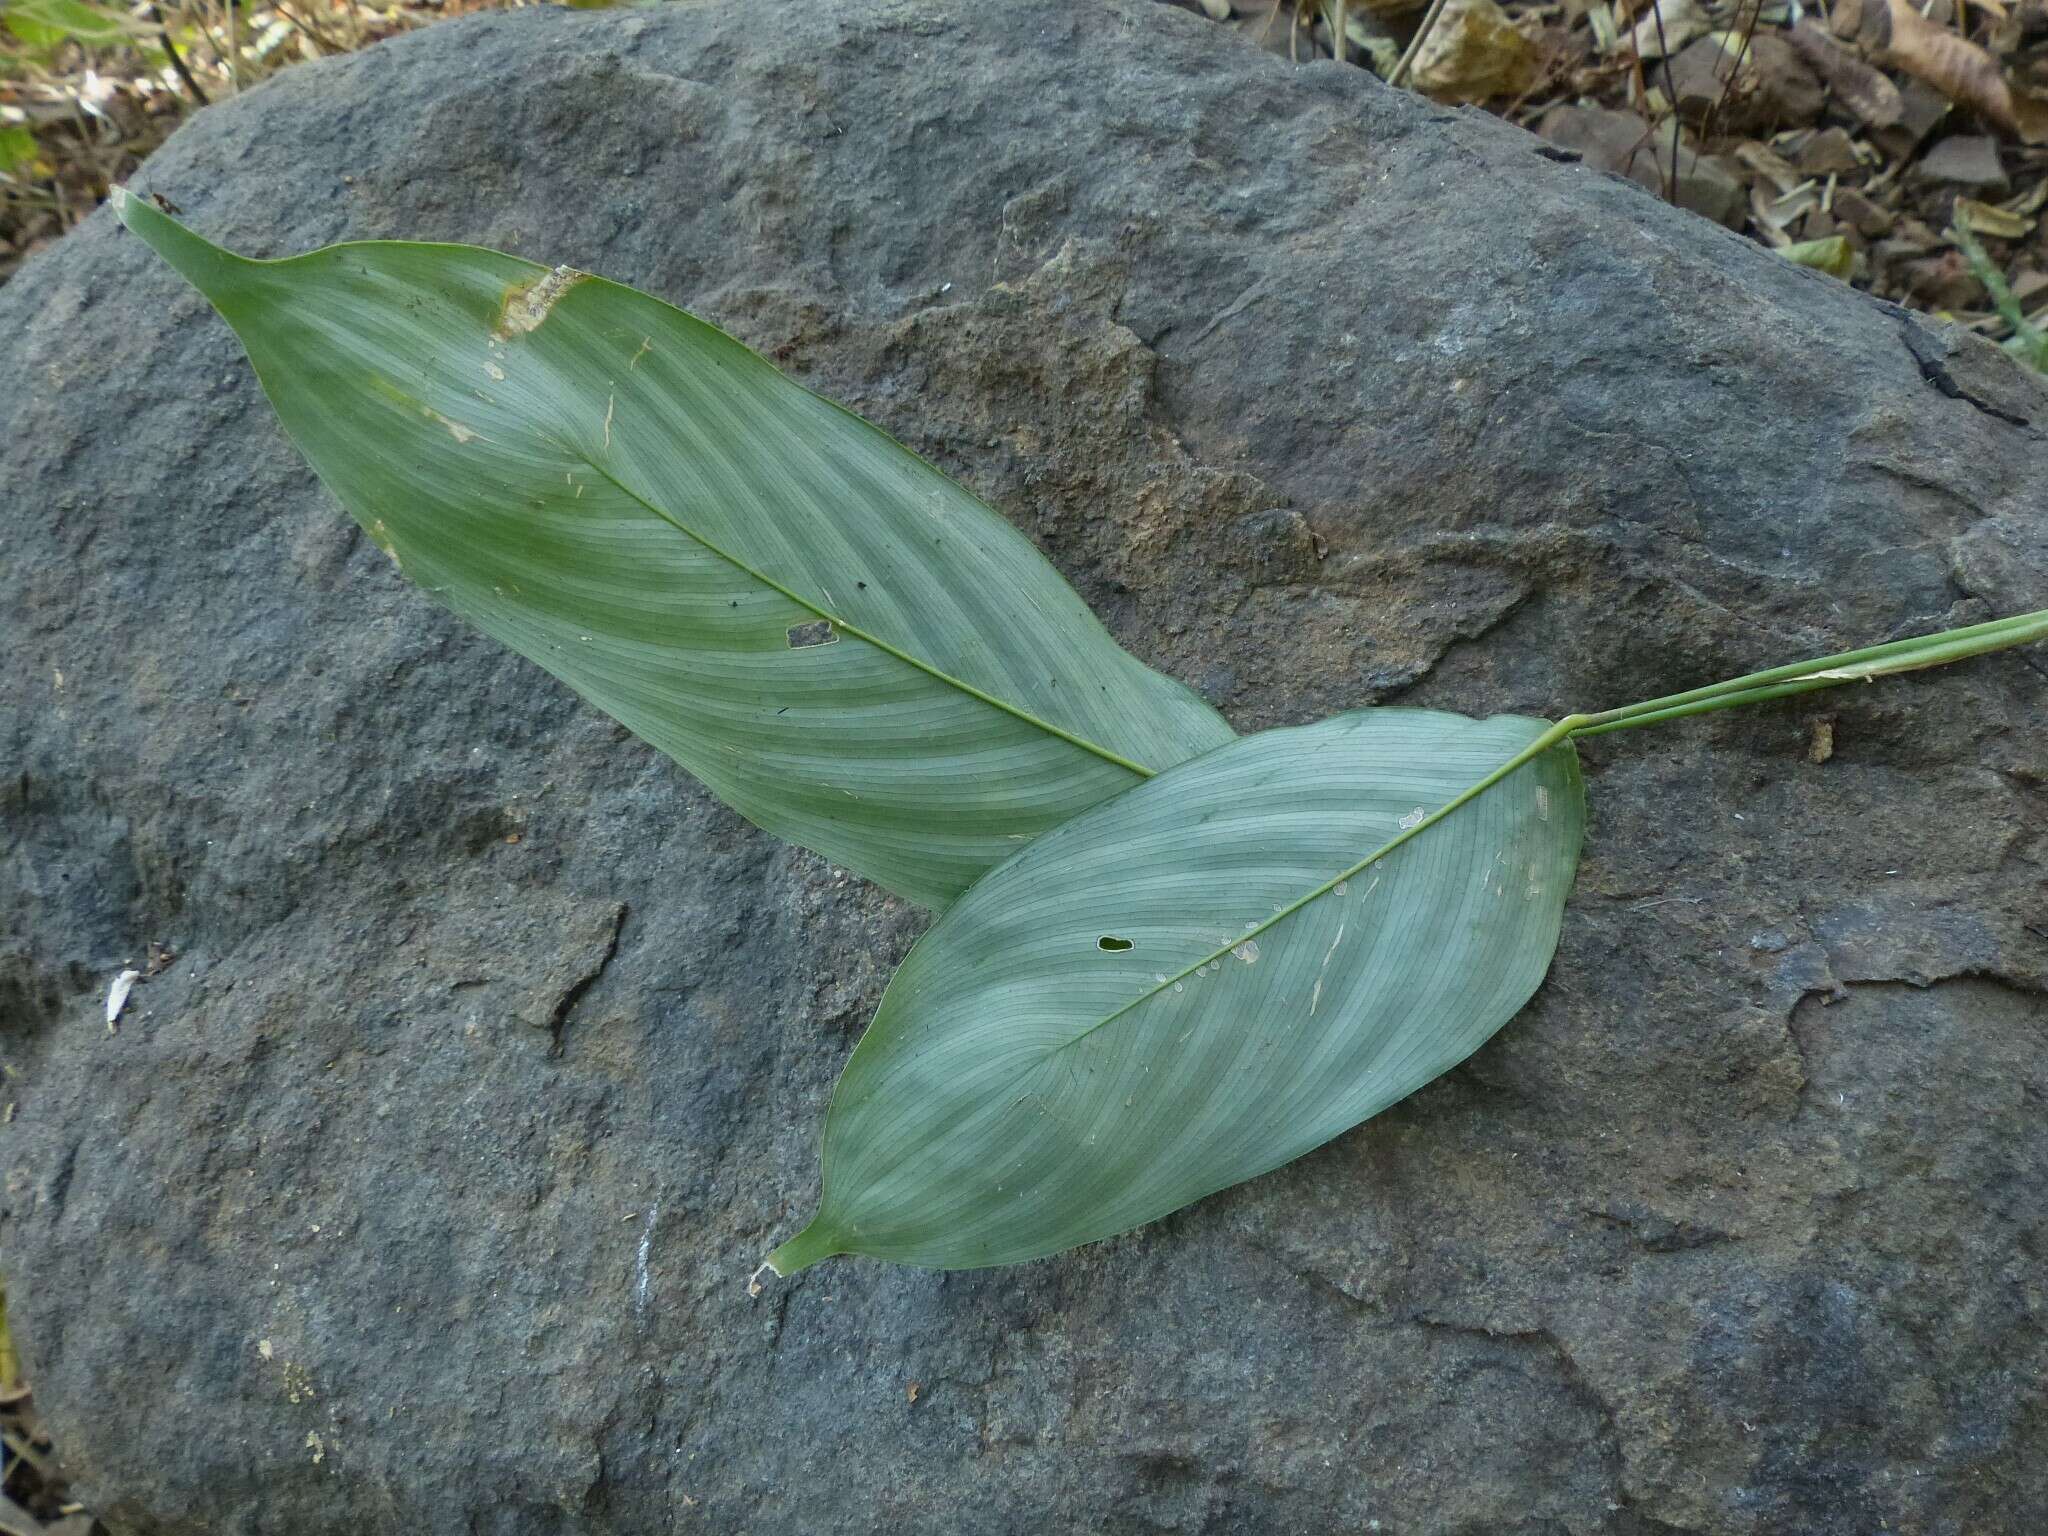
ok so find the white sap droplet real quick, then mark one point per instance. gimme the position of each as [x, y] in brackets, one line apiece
[1160, 977]
[1343, 887]
[1248, 951]
[1543, 802]
[495, 371]
[1178, 987]
[1414, 818]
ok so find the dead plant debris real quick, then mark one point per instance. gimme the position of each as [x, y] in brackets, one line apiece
[33, 1498]
[89, 87]
[1845, 134]
[1899, 145]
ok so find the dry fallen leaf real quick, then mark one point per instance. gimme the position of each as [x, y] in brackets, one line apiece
[1961, 71]
[1864, 91]
[1832, 256]
[1473, 53]
[1998, 223]
[1667, 26]
[1770, 165]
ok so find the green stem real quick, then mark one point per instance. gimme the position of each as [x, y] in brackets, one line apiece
[1859, 666]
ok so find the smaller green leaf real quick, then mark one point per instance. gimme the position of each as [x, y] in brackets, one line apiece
[1196, 982]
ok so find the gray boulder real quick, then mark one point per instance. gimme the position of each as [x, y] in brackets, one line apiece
[419, 1191]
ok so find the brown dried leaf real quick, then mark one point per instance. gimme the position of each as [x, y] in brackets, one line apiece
[1863, 90]
[1997, 223]
[1770, 165]
[1962, 71]
[1473, 53]
[1666, 26]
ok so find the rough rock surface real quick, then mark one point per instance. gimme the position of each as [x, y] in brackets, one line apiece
[420, 1191]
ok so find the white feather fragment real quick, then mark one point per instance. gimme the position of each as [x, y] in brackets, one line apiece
[117, 996]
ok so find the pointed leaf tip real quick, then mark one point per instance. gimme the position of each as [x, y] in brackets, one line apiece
[207, 267]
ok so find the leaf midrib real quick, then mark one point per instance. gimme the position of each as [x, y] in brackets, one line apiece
[1257, 929]
[844, 626]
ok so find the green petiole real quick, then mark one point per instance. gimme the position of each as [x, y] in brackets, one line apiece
[1858, 666]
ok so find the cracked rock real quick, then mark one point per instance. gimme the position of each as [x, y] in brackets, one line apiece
[1323, 397]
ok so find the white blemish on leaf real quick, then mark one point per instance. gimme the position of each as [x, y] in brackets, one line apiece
[495, 372]
[610, 402]
[1248, 951]
[1333, 948]
[1343, 887]
[117, 996]
[527, 304]
[1543, 802]
[646, 346]
[456, 429]
[381, 537]
[1414, 818]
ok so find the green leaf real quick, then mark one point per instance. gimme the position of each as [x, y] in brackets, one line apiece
[1214, 974]
[48, 24]
[17, 149]
[651, 512]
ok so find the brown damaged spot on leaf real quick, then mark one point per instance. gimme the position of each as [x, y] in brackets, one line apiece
[526, 305]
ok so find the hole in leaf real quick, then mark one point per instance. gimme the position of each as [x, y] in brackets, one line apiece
[816, 632]
[1111, 942]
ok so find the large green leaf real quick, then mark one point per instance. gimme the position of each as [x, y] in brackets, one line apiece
[1196, 983]
[651, 512]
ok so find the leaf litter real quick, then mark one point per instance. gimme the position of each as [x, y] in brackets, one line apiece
[1896, 146]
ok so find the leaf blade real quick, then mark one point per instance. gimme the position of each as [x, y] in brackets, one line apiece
[1026, 1087]
[651, 512]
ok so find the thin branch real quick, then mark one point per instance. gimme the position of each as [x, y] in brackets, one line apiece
[177, 59]
[1407, 60]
